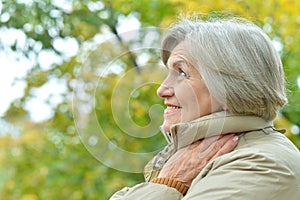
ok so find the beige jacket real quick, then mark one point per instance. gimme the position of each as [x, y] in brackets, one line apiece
[265, 164]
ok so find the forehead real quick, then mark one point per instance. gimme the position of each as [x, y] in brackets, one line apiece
[180, 53]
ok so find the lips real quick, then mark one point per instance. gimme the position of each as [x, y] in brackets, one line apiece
[171, 108]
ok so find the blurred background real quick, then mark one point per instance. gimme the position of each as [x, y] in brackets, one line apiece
[78, 82]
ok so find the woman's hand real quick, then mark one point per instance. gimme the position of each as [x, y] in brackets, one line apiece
[187, 162]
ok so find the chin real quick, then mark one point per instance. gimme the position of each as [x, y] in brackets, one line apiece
[166, 127]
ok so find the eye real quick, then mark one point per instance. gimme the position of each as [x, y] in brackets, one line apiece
[182, 73]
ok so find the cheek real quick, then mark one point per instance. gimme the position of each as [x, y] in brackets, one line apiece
[189, 101]
[196, 102]
[190, 94]
[204, 99]
[185, 94]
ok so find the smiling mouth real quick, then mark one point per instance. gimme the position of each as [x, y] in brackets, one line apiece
[171, 109]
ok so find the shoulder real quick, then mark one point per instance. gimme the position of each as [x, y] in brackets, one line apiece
[268, 143]
[265, 165]
[267, 149]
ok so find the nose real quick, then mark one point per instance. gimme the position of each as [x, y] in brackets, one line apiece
[165, 91]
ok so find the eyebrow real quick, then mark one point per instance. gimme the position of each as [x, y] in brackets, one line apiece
[176, 63]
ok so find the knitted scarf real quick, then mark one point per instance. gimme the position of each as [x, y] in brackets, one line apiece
[153, 167]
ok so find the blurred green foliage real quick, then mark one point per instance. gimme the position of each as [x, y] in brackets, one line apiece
[113, 81]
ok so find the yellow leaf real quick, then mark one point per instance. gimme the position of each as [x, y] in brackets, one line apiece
[29, 197]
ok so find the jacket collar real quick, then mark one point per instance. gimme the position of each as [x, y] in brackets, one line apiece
[183, 134]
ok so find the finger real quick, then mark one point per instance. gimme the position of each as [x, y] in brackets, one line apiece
[193, 145]
[214, 147]
[207, 142]
[227, 147]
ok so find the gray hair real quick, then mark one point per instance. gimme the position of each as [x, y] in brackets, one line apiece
[237, 61]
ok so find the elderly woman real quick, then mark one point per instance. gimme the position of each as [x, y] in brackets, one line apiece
[224, 76]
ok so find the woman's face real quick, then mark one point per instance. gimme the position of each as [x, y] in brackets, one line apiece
[186, 96]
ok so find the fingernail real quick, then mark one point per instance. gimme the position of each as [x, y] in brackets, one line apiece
[235, 138]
